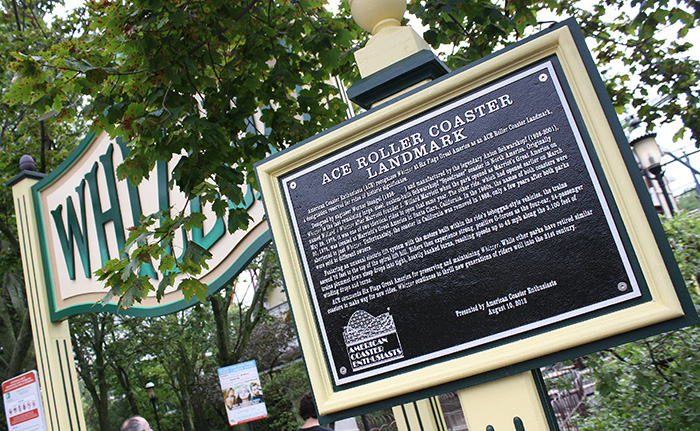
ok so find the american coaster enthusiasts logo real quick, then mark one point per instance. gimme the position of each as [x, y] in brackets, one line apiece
[371, 341]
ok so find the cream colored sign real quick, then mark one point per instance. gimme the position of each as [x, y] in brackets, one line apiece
[85, 213]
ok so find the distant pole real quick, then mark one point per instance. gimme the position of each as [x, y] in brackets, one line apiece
[686, 163]
[695, 174]
[151, 391]
[658, 174]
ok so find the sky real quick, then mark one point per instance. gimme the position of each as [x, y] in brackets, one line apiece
[679, 177]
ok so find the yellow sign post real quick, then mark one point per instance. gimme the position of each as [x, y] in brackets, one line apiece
[54, 352]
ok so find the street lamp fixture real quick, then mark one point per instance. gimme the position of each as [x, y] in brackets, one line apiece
[649, 154]
[151, 391]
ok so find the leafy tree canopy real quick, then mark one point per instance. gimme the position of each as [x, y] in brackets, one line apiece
[22, 29]
[224, 83]
[195, 78]
[650, 384]
[688, 200]
[642, 49]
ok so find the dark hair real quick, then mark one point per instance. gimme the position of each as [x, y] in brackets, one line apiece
[307, 408]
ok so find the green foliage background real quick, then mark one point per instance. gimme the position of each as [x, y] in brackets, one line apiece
[651, 384]
[227, 82]
[688, 200]
[224, 83]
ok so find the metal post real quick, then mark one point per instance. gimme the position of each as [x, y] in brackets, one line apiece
[694, 171]
[151, 391]
[695, 174]
[659, 177]
[155, 411]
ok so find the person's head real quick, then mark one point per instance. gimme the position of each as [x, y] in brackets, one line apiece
[135, 423]
[243, 393]
[229, 397]
[255, 389]
[307, 409]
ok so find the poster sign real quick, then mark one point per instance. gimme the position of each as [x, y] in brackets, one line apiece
[21, 396]
[488, 223]
[242, 393]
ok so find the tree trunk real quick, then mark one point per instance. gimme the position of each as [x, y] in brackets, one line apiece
[15, 325]
[124, 382]
[21, 347]
[219, 307]
[94, 375]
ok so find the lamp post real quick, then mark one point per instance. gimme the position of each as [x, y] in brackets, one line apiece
[649, 154]
[151, 391]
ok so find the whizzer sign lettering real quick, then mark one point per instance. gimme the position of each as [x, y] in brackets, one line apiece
[85, 213]
[491, 220]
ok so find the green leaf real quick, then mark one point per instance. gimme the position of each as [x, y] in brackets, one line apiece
[80, 65]
[193, 288]
[167, 263]
[165, 282]
[431, 36]
[195, 220]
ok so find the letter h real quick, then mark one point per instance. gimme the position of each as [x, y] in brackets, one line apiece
[113, 213]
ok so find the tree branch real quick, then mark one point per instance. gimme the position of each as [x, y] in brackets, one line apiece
[10, 236]
[238, 18]
[14, 7]
[655, 363]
